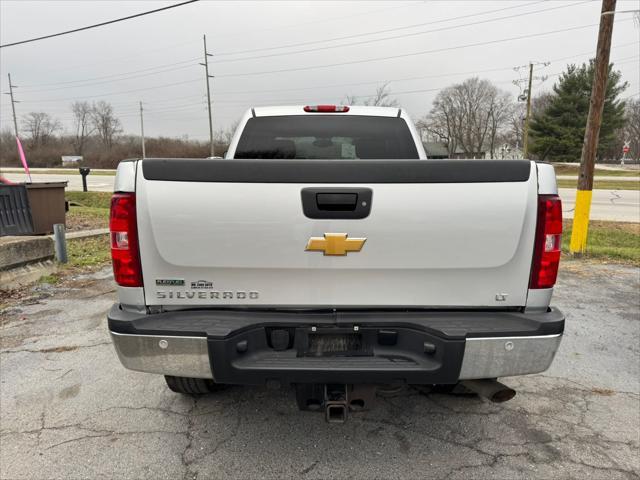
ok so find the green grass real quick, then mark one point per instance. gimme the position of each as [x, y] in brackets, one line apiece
[87, 218]
[50, 279]
[90, 199]
[603, 184]
[573, 170]
[609, 241]
[88, 210]
[89, 252]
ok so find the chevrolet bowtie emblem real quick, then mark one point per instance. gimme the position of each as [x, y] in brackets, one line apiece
[335, 244]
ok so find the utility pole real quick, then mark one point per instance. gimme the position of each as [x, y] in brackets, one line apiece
[525, 134]
[525, 147]
[206, 71]
[580, 228]
[142, 130]
[13, 105]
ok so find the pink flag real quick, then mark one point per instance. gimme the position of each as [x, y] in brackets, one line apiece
[23, 159]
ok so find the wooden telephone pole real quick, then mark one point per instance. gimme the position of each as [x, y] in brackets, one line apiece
[530, 66]
[591, 136]
[144, 153]
[525, 146]
[207, 77]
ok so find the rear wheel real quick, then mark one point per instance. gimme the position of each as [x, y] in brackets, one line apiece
[192, 386]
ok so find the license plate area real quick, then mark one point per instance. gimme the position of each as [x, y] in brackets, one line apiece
[335, 343]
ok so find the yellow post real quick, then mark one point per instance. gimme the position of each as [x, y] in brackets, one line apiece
[578, 244]
[580, 227]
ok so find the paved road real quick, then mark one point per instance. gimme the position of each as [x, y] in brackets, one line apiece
[618, 205]
[602, 178]
[95, 183]
[69, 410]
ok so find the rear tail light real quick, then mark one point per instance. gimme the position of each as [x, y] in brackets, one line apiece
[125, 255]
[548, 243]
[326, 108]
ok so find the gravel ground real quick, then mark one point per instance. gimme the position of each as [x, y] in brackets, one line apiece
[69, 410]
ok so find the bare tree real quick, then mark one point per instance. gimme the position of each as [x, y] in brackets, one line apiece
[469, 116]
[382, 98]
[41, 127]
[224, 135]
[500, 111]
[105, 123]
[82, 124]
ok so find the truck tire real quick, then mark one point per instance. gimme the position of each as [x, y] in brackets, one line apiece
[191, 386]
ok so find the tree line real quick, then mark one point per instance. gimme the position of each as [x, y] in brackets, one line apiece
[473, 119]
[97, 135]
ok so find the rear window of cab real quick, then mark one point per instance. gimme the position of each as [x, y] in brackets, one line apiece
[326, 137]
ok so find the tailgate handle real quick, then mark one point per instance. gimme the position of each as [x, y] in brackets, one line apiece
[336, 203]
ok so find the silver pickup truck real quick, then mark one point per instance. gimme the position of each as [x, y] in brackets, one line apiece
[326, 251]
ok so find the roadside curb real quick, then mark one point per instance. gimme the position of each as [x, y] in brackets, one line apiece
[23, 260]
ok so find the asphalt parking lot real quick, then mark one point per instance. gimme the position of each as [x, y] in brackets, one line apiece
[69, 410]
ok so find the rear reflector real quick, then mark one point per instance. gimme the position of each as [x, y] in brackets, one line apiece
[548, 243]
[125, 255]
[326, 108]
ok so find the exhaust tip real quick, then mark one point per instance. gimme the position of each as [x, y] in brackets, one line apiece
[492, 390]
[503, 395]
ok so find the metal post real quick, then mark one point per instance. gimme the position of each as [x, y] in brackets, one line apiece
[60, 241]
[578, 244]
[206, 70]
[525, 148]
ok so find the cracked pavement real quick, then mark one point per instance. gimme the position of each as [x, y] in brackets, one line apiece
[69, 410]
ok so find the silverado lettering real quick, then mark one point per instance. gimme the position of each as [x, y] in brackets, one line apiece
[214, 295]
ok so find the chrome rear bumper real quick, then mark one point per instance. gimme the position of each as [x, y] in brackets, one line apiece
[183, 356]
[508, 356]
[167, 355]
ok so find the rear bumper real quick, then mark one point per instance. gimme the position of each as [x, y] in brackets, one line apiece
[419, 347]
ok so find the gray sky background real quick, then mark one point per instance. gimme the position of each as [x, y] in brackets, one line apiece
[155, 58]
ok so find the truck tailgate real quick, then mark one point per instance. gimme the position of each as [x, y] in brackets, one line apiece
[235, 233]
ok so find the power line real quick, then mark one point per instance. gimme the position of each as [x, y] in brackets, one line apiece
[189, 61]
[115, 93]
[185, 107]
[128, 76]
[357, 35]
[421, 77]
[314, 22]
[98, 24]
[176, 45]
[412, 54]
[110, 60]
[441, 75]
[112, 80]
[395, 37]
[116, 76]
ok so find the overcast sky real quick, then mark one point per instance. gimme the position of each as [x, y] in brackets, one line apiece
[317, 52]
